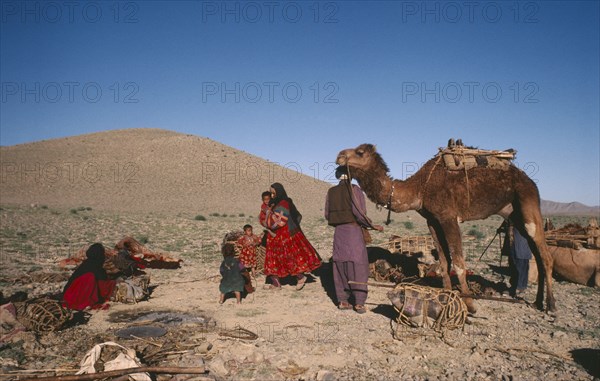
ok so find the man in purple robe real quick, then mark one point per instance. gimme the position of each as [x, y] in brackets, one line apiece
[345, 209]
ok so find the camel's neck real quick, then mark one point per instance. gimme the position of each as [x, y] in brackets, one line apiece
[379, 189]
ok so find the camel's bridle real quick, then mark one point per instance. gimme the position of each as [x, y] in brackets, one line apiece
[389, 205]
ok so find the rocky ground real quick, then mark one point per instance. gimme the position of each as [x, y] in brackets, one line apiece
[299, 335]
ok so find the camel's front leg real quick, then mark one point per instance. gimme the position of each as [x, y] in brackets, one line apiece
[434, 228]
[454, 240]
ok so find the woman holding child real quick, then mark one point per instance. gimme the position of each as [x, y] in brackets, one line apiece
[288, 251]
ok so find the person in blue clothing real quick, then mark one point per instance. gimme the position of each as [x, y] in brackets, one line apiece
[519, 254]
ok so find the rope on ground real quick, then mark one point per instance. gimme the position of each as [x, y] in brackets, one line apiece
[238, 333]
[428, 307]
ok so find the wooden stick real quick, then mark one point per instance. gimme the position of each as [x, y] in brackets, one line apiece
[494, 298]
[566, 236]
[542, 351]
[121, 372]
[16, 372]
[170, 353]
[386, 285]
[146, 341]
[483, 297]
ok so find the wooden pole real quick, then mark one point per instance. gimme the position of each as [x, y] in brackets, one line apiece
[494, 298]
[386, 285]
[121, 372]
[482, 297]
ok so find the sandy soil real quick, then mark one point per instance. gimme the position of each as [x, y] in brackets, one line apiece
[300, 334]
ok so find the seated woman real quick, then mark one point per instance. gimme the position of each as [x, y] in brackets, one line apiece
[89, 285]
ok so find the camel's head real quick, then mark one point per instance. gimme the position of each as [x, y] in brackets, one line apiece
[363, 158]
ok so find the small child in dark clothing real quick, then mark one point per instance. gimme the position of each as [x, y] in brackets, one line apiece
[231, 270]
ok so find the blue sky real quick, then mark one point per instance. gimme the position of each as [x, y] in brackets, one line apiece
[295, 82]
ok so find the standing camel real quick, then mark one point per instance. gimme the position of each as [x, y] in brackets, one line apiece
[445, 198]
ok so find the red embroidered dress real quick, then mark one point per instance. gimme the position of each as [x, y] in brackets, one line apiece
[262, 217]
[288, 252]
[87, 291]
[248, 251]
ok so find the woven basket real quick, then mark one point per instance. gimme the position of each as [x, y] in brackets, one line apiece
[42, 314]
[411, 244]
[261, 252]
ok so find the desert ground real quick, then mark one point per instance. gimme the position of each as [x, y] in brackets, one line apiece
[300, 335]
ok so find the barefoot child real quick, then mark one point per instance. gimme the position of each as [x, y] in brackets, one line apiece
[248, 243]
[231, 270]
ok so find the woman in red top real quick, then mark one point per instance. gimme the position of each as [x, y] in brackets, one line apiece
[288, 252]
[89, 285]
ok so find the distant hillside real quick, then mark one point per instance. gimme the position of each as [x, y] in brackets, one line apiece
[154, 170]
[570, 208]
[147, 170]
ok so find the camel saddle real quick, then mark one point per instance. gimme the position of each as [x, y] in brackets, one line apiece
[457, 156]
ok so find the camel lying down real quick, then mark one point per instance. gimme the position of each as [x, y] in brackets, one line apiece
[578, 266]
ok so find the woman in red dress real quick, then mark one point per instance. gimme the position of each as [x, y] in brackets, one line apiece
[288, 252]
[89, 285]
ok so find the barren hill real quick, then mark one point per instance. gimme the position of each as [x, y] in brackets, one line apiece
[568, 208]
[147, 170]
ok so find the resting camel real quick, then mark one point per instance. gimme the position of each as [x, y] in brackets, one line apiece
[446, 198]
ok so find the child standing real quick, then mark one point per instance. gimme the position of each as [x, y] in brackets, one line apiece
[248, 243]
[231, 270]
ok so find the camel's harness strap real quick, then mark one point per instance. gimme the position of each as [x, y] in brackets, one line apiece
[429, 176]
[389, 205]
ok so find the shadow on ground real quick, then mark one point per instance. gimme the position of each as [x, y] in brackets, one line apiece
[325, 274]
[589, 359]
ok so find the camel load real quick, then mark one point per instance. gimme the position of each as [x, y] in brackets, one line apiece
[402, 257]
[411, 244]
[457, 156]
[428, 307]
[382, 271]
[576, 253]
[575, 236]
[127, 254]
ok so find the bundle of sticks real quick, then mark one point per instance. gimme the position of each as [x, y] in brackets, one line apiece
[411, 244]
[575, 236]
